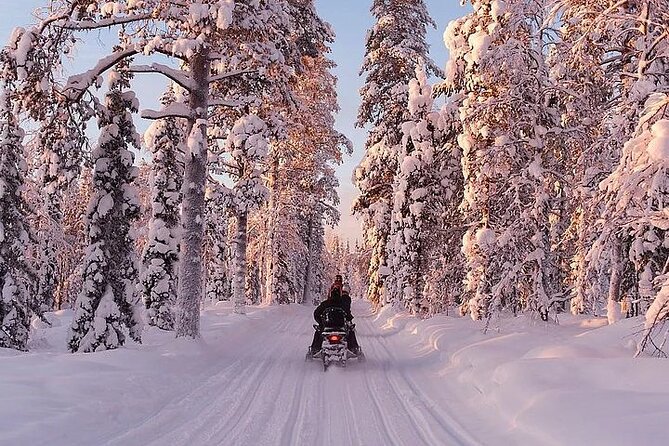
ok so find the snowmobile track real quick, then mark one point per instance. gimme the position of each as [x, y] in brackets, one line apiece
[398, 379]
[262, 392]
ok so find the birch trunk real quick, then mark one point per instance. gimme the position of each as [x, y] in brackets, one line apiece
[240, 263]
[192, 219]
[270, 252]
[308, 279]
[613, 306]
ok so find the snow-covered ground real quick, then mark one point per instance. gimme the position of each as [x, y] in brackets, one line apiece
[435, 382]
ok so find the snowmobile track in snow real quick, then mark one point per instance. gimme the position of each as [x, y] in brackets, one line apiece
[263, 393]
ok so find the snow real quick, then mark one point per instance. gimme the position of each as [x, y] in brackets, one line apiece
[658, 148]
[425, 382]
[660, 307]
[479, 42]
[485, 238]
[224, 13]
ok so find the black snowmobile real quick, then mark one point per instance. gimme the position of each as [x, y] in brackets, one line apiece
[334, 346]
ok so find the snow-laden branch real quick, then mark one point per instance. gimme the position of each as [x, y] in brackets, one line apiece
[87, 25]
[223, 103]
[222, 76]
[178, 76]
[76, 85]
[176, 110]
[55, 18]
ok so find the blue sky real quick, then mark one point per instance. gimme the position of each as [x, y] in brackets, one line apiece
[350, 20]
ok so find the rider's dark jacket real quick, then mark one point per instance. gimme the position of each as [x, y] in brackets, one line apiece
[334, 300]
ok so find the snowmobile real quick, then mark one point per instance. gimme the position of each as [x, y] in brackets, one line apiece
[334, 347]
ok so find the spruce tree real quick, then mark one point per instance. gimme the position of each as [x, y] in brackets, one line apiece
[108, 303]
[161, 253]
[394, 46]
[417, 190]
[16, 277]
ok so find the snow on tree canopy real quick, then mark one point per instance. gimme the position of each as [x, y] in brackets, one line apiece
[247, 138]
[108, 303]
[658, 147]
[161, 253]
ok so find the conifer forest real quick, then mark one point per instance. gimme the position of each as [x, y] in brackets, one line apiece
[174, 175]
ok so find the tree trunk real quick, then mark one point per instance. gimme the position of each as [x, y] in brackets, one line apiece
[238, 287]
[308, 275]
[613, 307]
[270, 251]
[192, 218]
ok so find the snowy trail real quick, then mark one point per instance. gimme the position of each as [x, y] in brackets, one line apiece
[270, 396]
[438, 381]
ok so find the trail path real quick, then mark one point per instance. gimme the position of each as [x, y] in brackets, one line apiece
[437, 382]
[266, 394]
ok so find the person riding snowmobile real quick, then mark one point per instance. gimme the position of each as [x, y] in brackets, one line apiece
[336, 286]
[338, 298]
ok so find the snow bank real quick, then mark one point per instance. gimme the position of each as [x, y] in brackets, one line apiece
[538, 383]
[52, 397]
[427, 381]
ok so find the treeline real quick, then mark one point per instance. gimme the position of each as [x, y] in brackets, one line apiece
[240, 185]
[540, 185]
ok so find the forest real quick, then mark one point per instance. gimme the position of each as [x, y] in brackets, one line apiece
[528, 176]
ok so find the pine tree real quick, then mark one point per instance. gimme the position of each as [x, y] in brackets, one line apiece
[16, 277]
[161, 253]
[394, 47]
[632, 232]
[108, 301]
[417, 190]
[498, 66]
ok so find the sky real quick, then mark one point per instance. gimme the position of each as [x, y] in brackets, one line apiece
[350, 20]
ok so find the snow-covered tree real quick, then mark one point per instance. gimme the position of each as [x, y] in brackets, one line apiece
[71, 251]
[499, 68]
[217, 249]
[301, 179]
[216, 43]
[586, 75]
[16, 277]
[161, 253]
[109, 303]
[632, 228]
[417, 190]
[253, 285]
[247, 145]
[395, 45]
[26, 82]
[59, 146]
